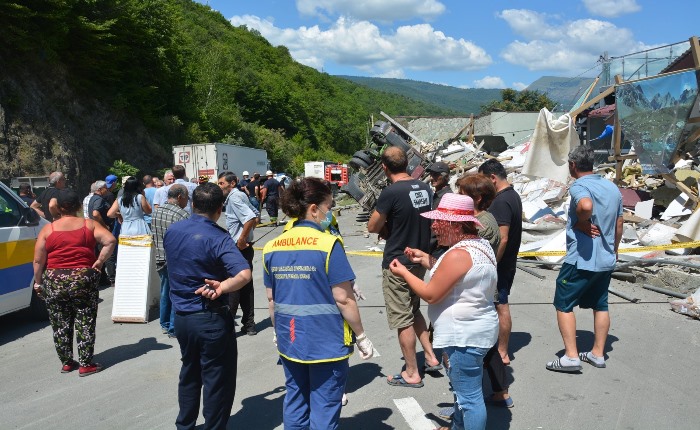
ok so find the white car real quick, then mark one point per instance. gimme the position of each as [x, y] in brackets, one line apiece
[19, 228]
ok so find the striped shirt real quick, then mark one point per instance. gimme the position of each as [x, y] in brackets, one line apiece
[161, 218]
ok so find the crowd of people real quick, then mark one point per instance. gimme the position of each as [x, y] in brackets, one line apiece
[466, 241]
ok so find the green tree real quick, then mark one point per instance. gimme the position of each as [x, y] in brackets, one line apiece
[519, 101]
[122, 169]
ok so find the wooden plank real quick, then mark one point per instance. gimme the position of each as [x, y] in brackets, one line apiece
[592, 101]
[681, 186]
[617, 137]
[694, 136]
[695, 49]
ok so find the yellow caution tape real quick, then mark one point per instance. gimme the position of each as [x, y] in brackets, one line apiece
[142, 240]
[365, 253]
[621, 250]
[556, 253]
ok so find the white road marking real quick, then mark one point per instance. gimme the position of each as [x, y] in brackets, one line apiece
[413, 414]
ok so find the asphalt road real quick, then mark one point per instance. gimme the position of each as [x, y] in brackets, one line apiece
[650, 381]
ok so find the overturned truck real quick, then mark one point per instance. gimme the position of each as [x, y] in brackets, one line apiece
[368, 179]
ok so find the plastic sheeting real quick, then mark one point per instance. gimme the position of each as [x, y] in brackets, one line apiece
[550, 145]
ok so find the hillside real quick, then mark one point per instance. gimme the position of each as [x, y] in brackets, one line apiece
[460, 100]
[564, 91]
[85, 82]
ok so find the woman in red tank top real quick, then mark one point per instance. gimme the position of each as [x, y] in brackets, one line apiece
[67, 273]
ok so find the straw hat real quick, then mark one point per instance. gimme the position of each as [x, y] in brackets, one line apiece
[454, 207]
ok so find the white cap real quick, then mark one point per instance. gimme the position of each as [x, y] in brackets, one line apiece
[268, 173]
[245, 173]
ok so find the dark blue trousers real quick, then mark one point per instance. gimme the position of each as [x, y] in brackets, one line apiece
[209, 359]
[314, 394]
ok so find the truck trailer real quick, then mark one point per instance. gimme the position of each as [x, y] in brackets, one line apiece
[210, 159]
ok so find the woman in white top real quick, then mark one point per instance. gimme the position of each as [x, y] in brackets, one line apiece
[460, 296]
[131, 207]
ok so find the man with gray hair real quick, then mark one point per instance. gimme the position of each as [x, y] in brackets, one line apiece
[47, 204]
[593, 233]
[86, 201]
[161, 218]
[161, 195]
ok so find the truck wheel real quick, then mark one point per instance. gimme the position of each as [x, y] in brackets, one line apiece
[37, 308]
[364, 156]
[357, 163]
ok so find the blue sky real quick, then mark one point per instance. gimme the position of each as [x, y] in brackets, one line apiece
[468, 44]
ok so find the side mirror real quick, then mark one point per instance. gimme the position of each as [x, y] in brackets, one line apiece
[30, 217]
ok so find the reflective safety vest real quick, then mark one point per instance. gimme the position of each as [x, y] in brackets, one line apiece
[308, 323]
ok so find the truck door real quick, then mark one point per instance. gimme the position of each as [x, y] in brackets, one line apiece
[16, 253]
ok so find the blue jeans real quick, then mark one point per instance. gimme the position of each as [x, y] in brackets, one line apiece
[167, 312]
[314, 394]
[465, 373]
[254, 201]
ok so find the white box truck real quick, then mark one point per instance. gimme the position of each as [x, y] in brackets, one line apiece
[213, 158]
[315, 169]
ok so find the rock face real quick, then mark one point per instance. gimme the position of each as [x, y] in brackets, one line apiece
[46, 126]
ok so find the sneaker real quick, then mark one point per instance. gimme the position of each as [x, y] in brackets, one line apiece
[71, 366]
[251, 332]
[90, 369]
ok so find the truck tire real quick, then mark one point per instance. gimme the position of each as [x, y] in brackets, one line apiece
[364, 156]
[357, 163]
[37, 308]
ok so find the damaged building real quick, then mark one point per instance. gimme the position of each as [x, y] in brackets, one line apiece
[645, 130]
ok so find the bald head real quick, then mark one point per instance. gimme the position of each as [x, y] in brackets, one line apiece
[395, 160]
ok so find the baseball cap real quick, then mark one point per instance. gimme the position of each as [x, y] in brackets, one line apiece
[439, 167]
[110, 180]
[245, 173]
[268, 173]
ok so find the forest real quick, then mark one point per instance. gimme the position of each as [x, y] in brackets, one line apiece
[189, 76]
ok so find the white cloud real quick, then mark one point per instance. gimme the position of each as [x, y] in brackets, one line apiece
[611, 8]
[361, 44]
[372, 10]
[518, 86]
[571, 46]
[489, 82]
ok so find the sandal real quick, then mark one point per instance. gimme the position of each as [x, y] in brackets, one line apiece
[557, 366]
[398, 381]
[584, 356]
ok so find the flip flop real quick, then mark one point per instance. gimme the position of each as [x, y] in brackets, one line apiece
[583, 356]
[435, 368]
[398, 381]
[557, 366]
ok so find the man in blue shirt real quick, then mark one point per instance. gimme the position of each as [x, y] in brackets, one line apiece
[593, 233]
[241, 219]
[204, 265]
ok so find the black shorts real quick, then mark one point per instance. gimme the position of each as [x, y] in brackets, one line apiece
[505, 282]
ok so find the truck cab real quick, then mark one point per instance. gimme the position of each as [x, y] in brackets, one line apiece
[19, 228]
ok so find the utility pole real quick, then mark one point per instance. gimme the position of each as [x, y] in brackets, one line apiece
[605, 73]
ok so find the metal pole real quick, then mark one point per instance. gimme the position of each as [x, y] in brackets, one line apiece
[665, 291]
[624, 296]
[531, 272]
